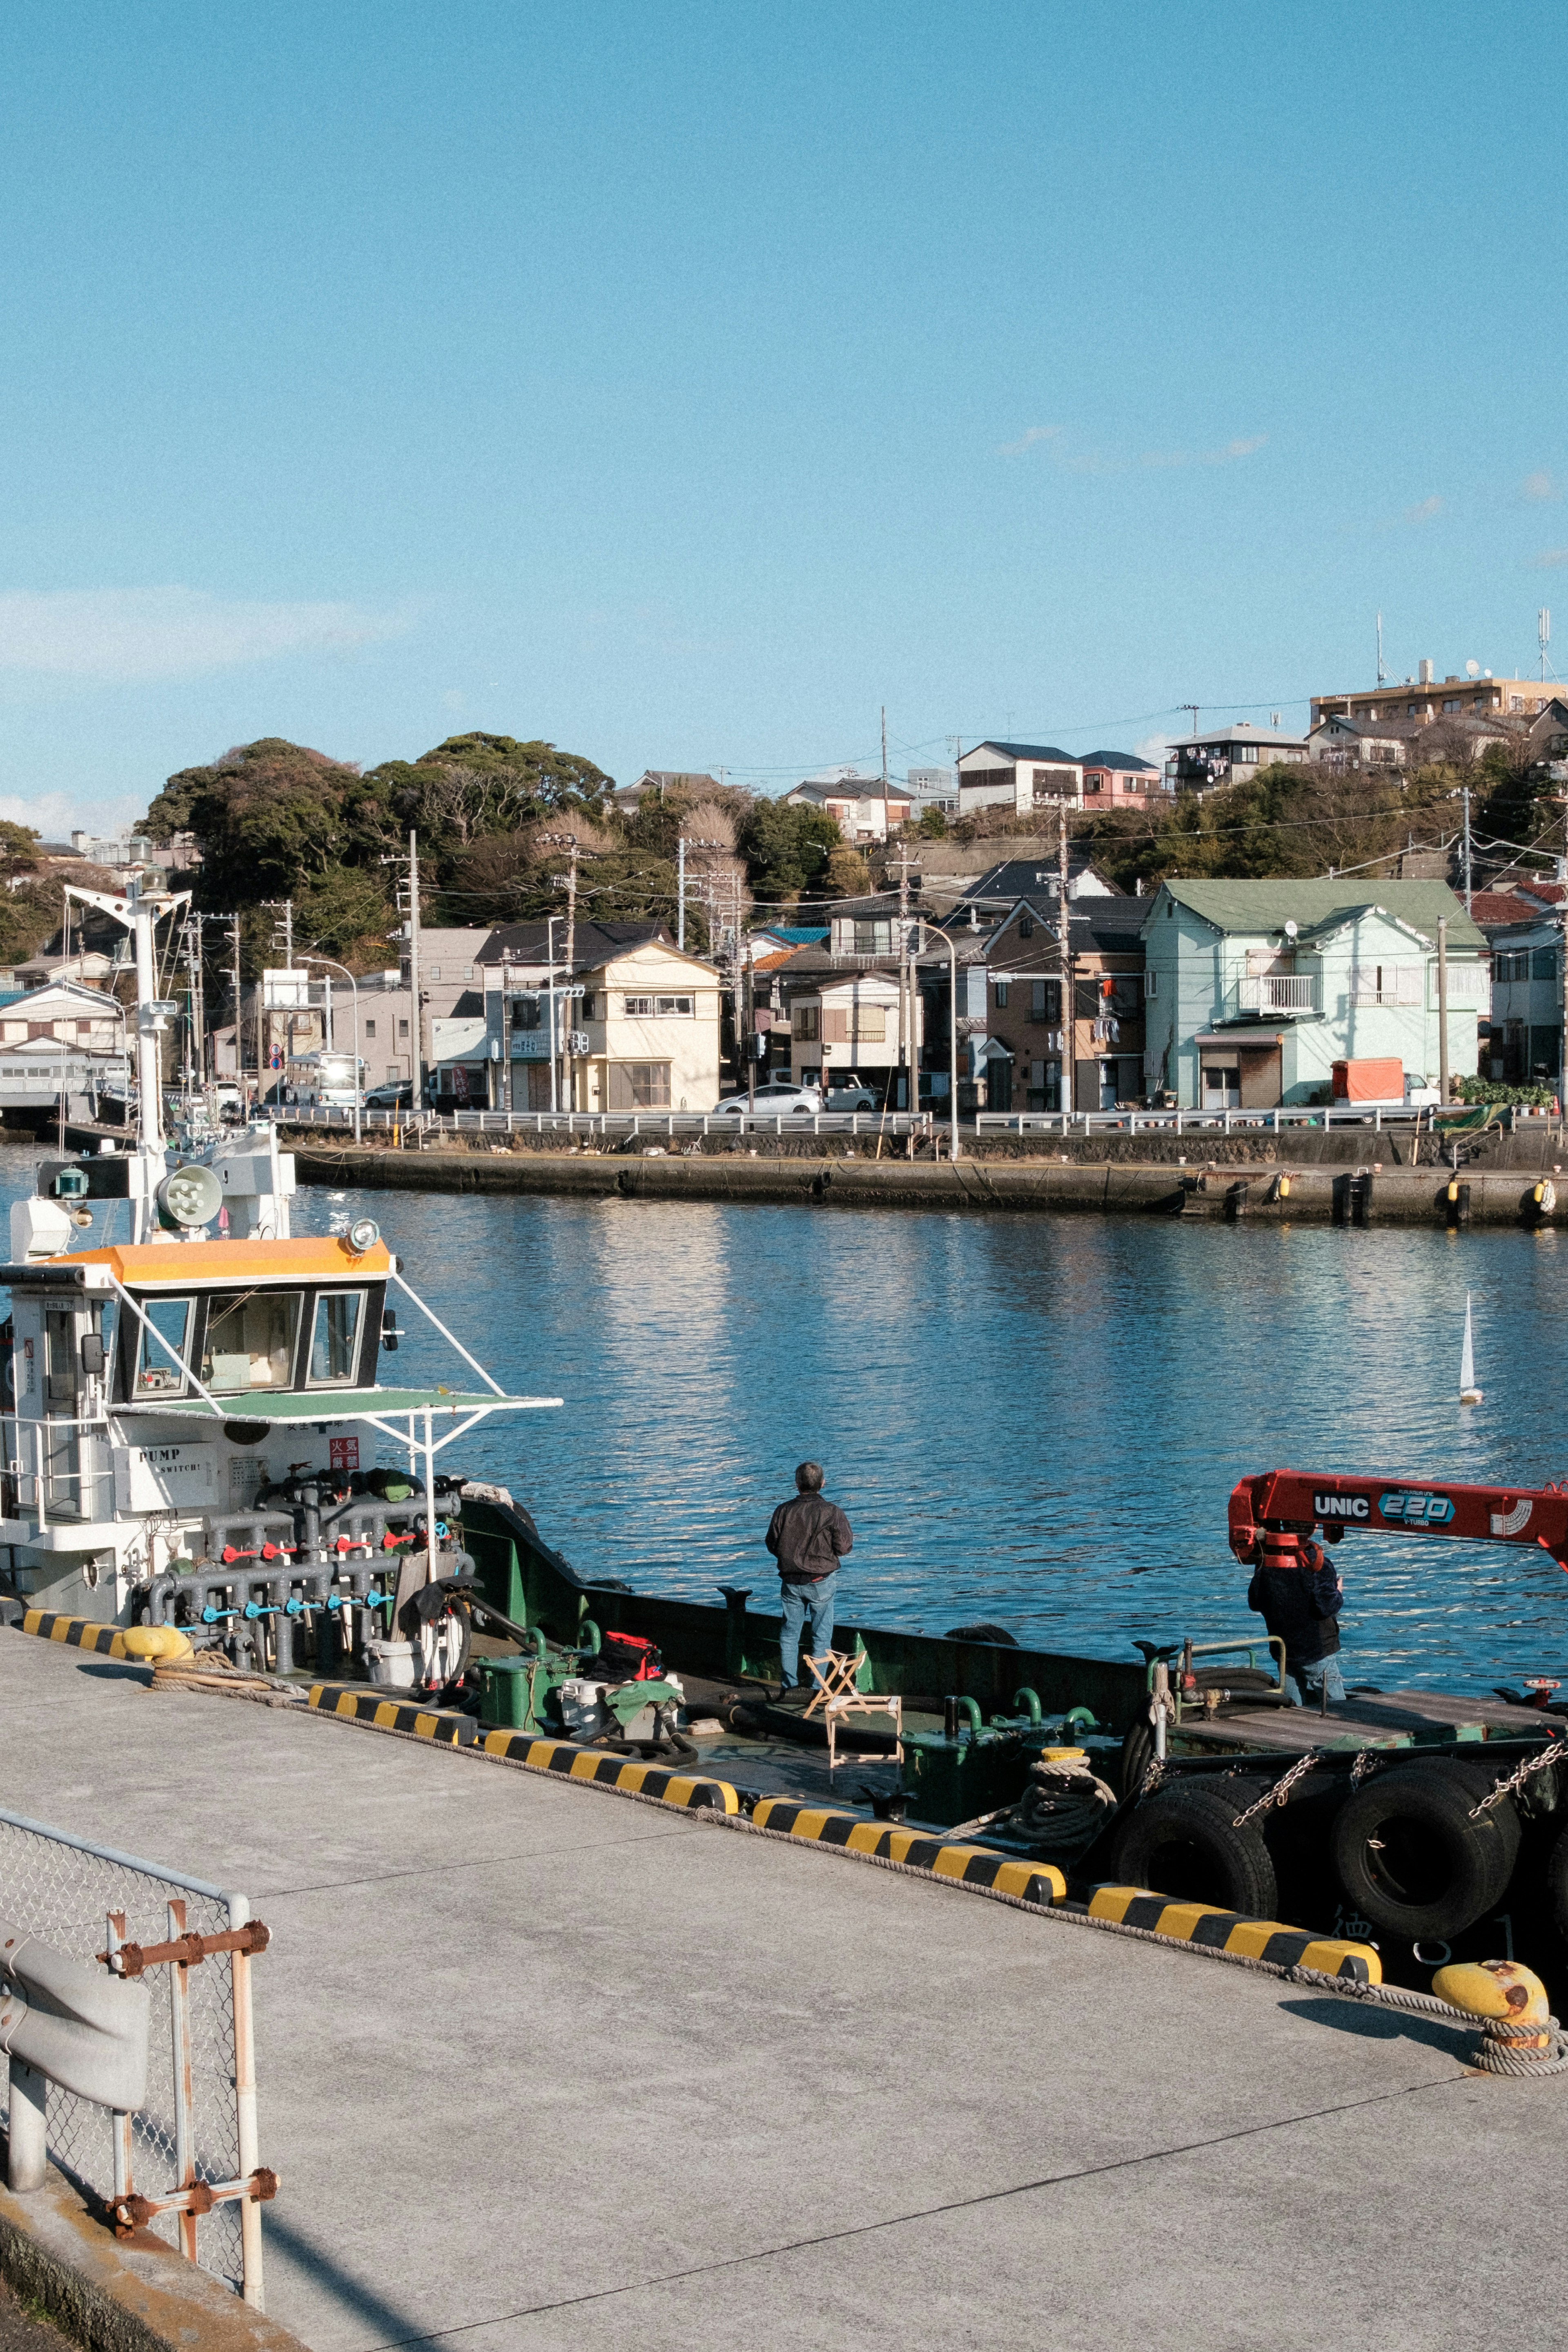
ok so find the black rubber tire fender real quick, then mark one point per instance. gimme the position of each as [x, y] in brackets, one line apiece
[1409, 1858]
[1555, 1883]
[1137, 1751]
[1183, 1841]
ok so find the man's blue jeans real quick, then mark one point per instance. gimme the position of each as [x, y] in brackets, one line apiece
[808, 1607]
[1307, 1685]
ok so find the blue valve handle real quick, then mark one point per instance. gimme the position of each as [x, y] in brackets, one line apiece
[211, 1616]
[355, 1601]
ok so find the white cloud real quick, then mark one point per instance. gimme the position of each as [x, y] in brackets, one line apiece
[1035, 433]
[1154, 748]
[1424, 511]
[1550, 558]
[129, 635]
[1540, 489]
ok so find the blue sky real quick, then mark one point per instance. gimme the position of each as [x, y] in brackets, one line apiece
[682, 383]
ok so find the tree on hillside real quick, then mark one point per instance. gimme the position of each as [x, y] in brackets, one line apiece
[1290, 819]
[787, 851]
[270, 818]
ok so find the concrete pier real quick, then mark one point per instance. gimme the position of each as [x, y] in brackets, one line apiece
[541, 2066]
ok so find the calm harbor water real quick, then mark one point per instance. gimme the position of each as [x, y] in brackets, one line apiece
[1033, 1420]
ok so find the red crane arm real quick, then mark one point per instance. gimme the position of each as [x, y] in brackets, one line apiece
[1424, 1506]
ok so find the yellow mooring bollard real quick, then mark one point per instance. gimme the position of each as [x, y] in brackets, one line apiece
[1519, 2033]
[154, 1642]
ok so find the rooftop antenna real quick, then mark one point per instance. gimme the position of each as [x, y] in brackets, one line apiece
[1382, 678]
[1543, 631]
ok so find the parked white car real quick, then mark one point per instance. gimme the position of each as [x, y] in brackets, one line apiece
[773, 1098]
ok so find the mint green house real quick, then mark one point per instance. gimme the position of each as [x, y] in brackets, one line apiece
[1254, 990]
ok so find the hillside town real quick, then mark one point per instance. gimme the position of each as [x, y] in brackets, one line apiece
[1012, 934]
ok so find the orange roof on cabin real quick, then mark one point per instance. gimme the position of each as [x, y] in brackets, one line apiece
[181, 1263]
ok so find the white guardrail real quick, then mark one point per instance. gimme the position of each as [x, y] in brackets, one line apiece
[1278, 1121]
[605, 1124]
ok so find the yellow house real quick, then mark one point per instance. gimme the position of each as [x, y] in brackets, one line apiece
[634, 1026]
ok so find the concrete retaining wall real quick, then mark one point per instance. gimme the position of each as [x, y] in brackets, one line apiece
[1323, 1194]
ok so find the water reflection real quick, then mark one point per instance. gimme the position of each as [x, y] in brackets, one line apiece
[1031, 1420]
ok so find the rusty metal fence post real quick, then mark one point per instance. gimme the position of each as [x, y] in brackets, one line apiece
[186, 2165]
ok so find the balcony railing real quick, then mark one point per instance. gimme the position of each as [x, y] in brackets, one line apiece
[1277, 992]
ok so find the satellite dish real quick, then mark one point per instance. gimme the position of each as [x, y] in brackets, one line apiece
[1472, 670]
[1289, 930]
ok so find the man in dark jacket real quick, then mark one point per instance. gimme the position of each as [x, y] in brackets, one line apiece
[807, 1536]
[1295, 1591]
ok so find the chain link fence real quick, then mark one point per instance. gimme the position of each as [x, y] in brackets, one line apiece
[75, 1897]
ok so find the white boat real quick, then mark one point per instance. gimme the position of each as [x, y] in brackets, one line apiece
[192, 1417]
[1469, 1392]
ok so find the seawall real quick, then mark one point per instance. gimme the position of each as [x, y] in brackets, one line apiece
[1286, 1190]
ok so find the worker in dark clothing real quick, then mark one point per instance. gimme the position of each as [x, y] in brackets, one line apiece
[807, 1536]
[1295, 1591]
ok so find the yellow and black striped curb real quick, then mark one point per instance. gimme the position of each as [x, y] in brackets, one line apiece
[80, 1632]
[695, 1790]
[558, 1756]
[1232, 1931]
[393, 1715]
[972, 1865]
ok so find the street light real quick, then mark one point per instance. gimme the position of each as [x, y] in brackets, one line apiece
[353, 983]
[952, 947]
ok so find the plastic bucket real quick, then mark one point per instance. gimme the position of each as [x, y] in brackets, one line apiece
[392, 1663]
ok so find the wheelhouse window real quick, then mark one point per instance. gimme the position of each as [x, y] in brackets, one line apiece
[161, 1370]
[250, 1341]
[335, 1338]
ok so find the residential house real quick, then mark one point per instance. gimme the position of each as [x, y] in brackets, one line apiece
[846, 1028]
[1254, 990]
[63, 1011]
[1020, 778]
[1120, 779]
[1036, 878]
[1024, 1039]
[835, 1007]
[933, 788]
[1426, 697]
[1340, 743]
[1523, 1044]
[658, 782]
[634, 1025]
[1228, 755]
[857, 803]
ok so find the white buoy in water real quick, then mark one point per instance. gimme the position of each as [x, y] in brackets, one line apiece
[1469, 1392]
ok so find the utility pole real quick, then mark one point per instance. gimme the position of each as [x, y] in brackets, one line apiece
[416, 1027]
[1562, 959]
[239, 1024]
[1442, 1009]
[750, 1015]
[681, 892]
[416, 1023]
[566, 840]
[885, 772]
[905, 986]
[1470, 889]
[1065, 1087]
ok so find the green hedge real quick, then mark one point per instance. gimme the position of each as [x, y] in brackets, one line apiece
[1487, 1090]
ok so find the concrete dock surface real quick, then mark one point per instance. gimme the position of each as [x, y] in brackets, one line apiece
[541, 2067]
